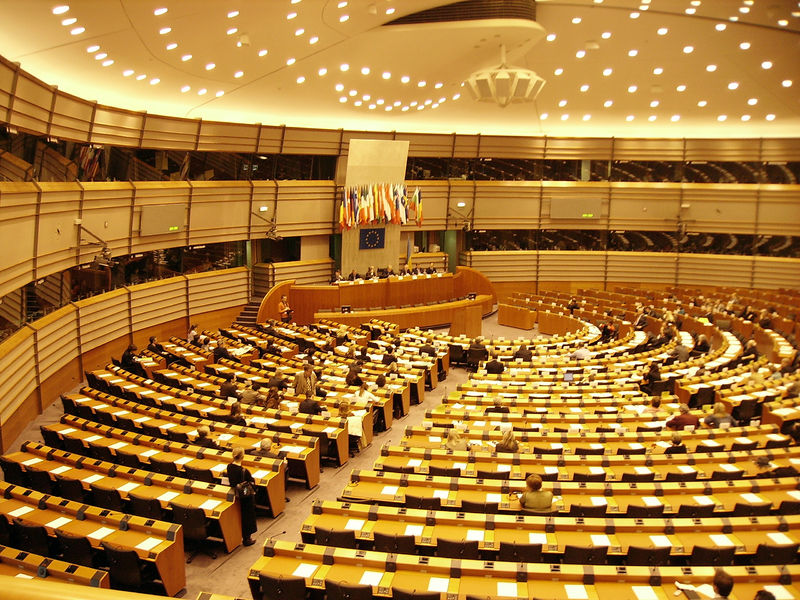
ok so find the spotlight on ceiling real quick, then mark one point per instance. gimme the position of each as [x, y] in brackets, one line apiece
[505, 84]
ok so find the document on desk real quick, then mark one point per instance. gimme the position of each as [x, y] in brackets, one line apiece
[753, 498]
[415, 530]
[149, 544]
[438, 584]
[389, 490]
[441, 494]
[644, 592]
[576, 591]
[304, 570]
[168, 496]
[99, 534]
[702, 500]
[475, 535]
[59, 522]
[600, 540]
[131, 485]
[210, 504]
[537, 538]
[149, 453]
[720, 539]
[67, 431]
[22, 510]
[493, 498]
[372, 578]
[414, 462]
[184, 459]
[507, 589]
[118, 445]
[32, 461]
[780, 538]
[355, 524]
[92, 478]
[599, 501]
[660, 541]
[60, 470]
[780, 592]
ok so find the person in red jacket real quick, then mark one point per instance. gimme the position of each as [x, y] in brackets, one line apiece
[684, 419]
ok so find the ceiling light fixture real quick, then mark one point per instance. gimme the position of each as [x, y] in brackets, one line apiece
[232, 30]
[658, 71]
[662, 31]
[720, 26]
[202, 92]
[386, 75]
[238, 74]
[505, 84]
[322, 72]
[711, 68]
[108, 63]
[580, 54]
[752, 101]
[702, 103]
[92, 49]
[681, 88]
[344, 67]
[688, 49]
[558, 71]
[767, 64]
[155, 81]
[733, 85]
[608, 103]
[770, 117]
[263, 52]
[675, 118]
[745, 117]
[172, 46]
[160, 11]
[127, 72]
[60, 10]
[219, 94]
[141, 77]
[210, 66]
[185, 89]
[786, 83]
[343, 18]
[607, 72]
[165, 30]
[632, 89]
[68, 22]
[233, 14]
[605, 35]
[313, 39]
[551, 37]
[291, 16]
[405, 79]
[744, 46]
[629, 118]
[186, 57]
[632, 53]
[78, 30]
[290, 61]
[301, 79]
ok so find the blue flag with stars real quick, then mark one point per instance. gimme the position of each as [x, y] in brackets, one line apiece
[372, 238]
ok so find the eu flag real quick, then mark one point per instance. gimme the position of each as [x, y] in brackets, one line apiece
[372, 239]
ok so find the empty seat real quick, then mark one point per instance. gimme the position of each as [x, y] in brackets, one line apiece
[647, 556]
[695, 512]
[644, 512]
[149, 508]
[199, 474]
[493, 474]
[77, 549]
[51, 438]
[41, 481]
[195, 529]
[584, 510]
[741, 509]
[456, 548]
[71, 489]
[340, 590]
[767, 554]
[341, 538]
[444, 471]
[13, 473]
[165, 467]
[32, 538]
[519, 553]
[715, 557]
[629, 477]
[110, 499]
[396, 544]
[282, 587]
[585, 556]
[423, 594]
[479, 507]
[75, 446]
[126, 570]
[423, 502]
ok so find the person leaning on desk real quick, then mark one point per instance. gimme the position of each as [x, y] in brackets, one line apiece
[535, 498]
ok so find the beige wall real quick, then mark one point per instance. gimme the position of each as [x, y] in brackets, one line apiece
[360, 260]
[315, 247]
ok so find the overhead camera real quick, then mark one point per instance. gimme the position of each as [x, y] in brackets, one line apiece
[104, 259]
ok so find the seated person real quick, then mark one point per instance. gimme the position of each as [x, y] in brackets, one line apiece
[750, 349]
[154, 346]
[363, 393]
[278, 381]
[496, 408]
[572, 305]
[581, 353]
[508, 443]
[652, 375]
[309, 406]
[274, 398]
[388, 272]
[191, 337]
[494, 366]
[684, 419]
[235, 416]
[264, 449]
[204, 438]
[249, 394]
[370, 274]
[535, 498]
[404, 270]
[130, 362]
[337, 277]
[701, 346]
[719, 417]
[680, 352]
[388, 356]
[221, 351]
[456, 440]
[353, 377]
[353, 275]
[678, 446]
[431, 269]
[228, 389]
[427, 348]
[305, 383]
[523, 353]
[655, 406]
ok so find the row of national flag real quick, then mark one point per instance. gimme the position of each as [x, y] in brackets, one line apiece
[379, 203]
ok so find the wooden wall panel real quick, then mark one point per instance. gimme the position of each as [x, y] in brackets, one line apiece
[304, 272]
[773, 273]
[158, 301]
[508, 205]
[226, 137]
[72, 118]
[644, 207]
[103, 318]
[648, 149]
[708, 269]
[17, 374]
[169, 133]
[56, 340]
[115, 127]
[778, 212]
[641, 267]
[216, 290]
[106, 212]
[723, 149]
[219, 213]
[568, 266]
[17, 222]
[730, 208]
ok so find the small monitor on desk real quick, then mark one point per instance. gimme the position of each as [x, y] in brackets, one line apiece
[471, 296]
[346, 308]
[569, 376]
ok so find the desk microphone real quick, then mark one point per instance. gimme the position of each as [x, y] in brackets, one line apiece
[272, 537]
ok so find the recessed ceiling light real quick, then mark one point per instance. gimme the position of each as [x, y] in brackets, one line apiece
[584, 87]
[441, 100]
[721, 118]
[344, 67]
[697, 2]
[681, 88]
[634, 15]
[352, 93]
[365, 70]
[343, 18]
[69, 21]
[291, 16]
[238, 74]
[576, 20]
[653, 103]
[386, 75]
[357, 103]
[299, 32]
[339, 87]
[263, 52]
[580, 53]
[313, 39]
[60, 10]
[404, 109]
[100, 56]
[210, 66]
[733, 85]
[564, 117]
[141, 76]
[202, 92]
[296, 1]
[322, 72]
[219, 93]
[562, 103]
[185, 89]
[165, 30]
[342, 4]
[301, 79]
[233, 14]
[108, 63]
[428, 102]
[629, 118]
[651, 118]
[711, 68]
[155, 81]
[752, 101]
[372, 106]
[405, 79]
[662, 31]
[688, 49]
[770, 117]
[160, 11]
[438, 85]
[690, 11]
[658, 71]
[632, 89]
[605, 35]
[397, 103]
[366, 97]
[786, 83]
[290, 61]
[632, 53]
[767, 64]
[186, 57]
[607, 71]
[587, 117]
[674, 118]
[720, 27]
[744, 9]
[380, 102]
[389, 11]
[93, 48]
[414, 103]
[456, 96]
[172, 46]
[734, 19]
[608, 103]
[127, 72]
[232, 30]
[702, 103]
[745, 117]
[783, 22]
[744, 45]
[558, 71]
[422, 83]
[551, 37]
[544, 116]
[78, 30]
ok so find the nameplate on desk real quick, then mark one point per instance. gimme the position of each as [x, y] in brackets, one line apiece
[59, 522]
[60, 470]
[304, 570]
[210, 504]
[372, 578]
[576, 592]
[99, 534]
[22, 510]
[148, 544]
[168, 496]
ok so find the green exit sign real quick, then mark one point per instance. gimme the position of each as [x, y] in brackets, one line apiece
[173, 228]
[588, 215]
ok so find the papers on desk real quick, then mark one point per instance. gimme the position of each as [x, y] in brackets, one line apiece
[414, 462]
[141, 419]
[493, 497]
[304, 570]
[354, 524]
[642, 470]
[218, 468]
[780, 592]
[434, 438]
[600, 540]
[781, 539]
[99, 534]
[598, 501]
[507, 589]
[59, 522]
[729, 468]
[291, 449]
[389, 490]
[60, 470]
[131, 485]
[151, 452]
[706, 589]
[660, 541]
[753, 498]
[720, 539]
[93, 438]
[441, 494]
[415, 530]
[168, 496]
[372, 578]
[225, 437]
[148, 544]
[32, 461]
[167, 426]
[537, 538]
[328, 430]
[118, 445]
[67, 430]
[92, 478]
[703, 500]
[475, 535]
[576, 592]
[794, 494]
[644, 592]
[23, 576]
[686, 469]
[552, 470]
[183, 460]
[438, 584]
[22, 510]
[210, 504]
[597, 470]
[651, 501]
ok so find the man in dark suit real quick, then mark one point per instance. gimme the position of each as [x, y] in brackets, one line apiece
[428, 349]
[524, 353]
[494, 366]
[204, 438]
[221, 351]
[309, 406]
[227, 389]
